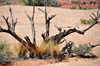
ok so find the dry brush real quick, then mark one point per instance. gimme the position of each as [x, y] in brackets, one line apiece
[56, 39]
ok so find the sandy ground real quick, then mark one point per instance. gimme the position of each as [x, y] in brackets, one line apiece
[65, 18]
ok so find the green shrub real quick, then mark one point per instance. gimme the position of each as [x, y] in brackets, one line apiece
[90, 21]
[89, 7]
[83, 21]
[2, 1]
[54, 3]
[27, 2]
[81, 50]
[7, 2]
[77, 2]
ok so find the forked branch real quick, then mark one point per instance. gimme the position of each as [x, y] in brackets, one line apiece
[13, 23]
[45, 35]
[32, 24]
[56, 38]
[11, 28]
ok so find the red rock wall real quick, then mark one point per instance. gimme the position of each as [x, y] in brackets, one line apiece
[69, 4]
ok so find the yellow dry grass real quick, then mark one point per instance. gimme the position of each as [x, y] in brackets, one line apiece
[16, 49]
[49, 48]
[21, 4]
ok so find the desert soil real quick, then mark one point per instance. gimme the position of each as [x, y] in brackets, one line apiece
[66, 18]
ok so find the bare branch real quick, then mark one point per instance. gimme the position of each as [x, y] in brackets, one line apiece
[8, 24]
[11, 32]
[52, 16]
[13, 23]
[78, 31]
[92, 46]
[32, 24]
[92, 17]
[59, 28]
[33, 47]
[28, 40]
[11, 14]
[41, 10]
[0, 29]
[98, 13]
[63, 41]
[43, 36]
[33, 13]
[16, 22]
[61, 35]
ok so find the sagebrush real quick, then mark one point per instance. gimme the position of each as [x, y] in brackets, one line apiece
[81, 50]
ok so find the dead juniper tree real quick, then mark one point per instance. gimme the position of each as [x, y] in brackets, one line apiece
[56, 39]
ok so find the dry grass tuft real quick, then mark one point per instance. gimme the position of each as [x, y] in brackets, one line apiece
[21, 4]
[49, 48]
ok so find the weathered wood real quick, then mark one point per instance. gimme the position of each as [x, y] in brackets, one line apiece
[45, 35]
[33, 47]
[11, 29]
[13, 23]
[56, 38]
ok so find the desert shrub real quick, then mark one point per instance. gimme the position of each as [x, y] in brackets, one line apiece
[81, 50]
[83, 21]
[7, 2]
[6, 57]
[54, 3]
[89, 7]
[77, 2]
[10, 52]
[1, 57]
[27, 2]
[1, 1]
[90, 21]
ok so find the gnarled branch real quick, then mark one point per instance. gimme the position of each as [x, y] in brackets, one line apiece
[11, 29]
[56, 38]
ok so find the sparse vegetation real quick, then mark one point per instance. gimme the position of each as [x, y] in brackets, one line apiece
[7, 2]
[9, 52]
[49, 46]
[27, 2]
[54, 3]
[90, 21]
[1, 1]
[81, 50]
[84, 21]
[89, 8]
